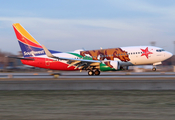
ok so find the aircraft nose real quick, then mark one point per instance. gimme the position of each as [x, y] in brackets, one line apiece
[168, 55]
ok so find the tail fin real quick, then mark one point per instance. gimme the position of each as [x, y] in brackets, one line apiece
[29, 46]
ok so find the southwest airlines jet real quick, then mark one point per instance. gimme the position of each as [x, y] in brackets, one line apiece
[94, 61]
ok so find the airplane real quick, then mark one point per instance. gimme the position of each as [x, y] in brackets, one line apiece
[93, 61]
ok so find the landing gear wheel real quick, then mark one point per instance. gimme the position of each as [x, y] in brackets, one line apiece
[97, 72]
[154, 69]
[90, 73]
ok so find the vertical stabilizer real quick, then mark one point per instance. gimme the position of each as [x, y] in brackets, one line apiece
[29, 46]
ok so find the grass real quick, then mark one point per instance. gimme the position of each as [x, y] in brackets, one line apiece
[87, 105]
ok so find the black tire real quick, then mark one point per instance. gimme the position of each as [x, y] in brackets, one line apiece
[97, 72]
[154, 69]
[90, 73]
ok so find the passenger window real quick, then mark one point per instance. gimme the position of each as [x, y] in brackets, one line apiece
[160, 50]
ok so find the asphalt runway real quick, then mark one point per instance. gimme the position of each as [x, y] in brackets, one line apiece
[81, 81]
[83, 75]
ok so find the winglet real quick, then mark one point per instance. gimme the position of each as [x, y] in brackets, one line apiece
[48, 53]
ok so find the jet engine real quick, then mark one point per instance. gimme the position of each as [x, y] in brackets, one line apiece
[109, 65]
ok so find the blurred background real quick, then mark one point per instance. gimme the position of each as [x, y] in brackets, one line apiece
[75, 24]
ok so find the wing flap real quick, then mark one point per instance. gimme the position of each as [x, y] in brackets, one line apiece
[73, 63]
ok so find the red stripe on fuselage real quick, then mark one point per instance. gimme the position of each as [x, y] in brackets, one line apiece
[48, 64]
[24, 39]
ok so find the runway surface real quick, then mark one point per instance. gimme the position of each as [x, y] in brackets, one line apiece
[81, 81]
[84, 76]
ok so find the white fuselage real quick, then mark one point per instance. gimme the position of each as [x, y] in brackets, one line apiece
[137, 58]
[136, 54]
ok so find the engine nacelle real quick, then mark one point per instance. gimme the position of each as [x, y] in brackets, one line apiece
[109, 65]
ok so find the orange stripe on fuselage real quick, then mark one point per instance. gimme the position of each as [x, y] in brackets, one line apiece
[25, 33]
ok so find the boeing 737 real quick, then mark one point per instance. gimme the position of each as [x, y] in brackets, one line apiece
[93, 61]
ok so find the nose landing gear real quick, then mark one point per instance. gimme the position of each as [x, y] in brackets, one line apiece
[154, 69]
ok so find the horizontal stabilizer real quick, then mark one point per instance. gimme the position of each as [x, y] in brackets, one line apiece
[20, 58]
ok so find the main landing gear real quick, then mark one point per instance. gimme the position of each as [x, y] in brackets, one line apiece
[91, 72]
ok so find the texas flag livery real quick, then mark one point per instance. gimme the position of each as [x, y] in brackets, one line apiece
[93, 61]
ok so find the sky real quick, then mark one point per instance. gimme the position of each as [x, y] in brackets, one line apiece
[67, 25]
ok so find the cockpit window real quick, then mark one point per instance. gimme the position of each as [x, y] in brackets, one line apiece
[160, 50]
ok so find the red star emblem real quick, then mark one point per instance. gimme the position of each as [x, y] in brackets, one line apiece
[146, 52]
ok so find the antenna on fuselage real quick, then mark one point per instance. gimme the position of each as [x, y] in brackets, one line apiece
[83, 48]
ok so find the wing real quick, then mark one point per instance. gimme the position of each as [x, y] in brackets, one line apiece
[79, 63]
